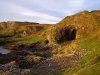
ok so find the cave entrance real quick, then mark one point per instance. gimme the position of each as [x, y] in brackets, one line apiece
[70, 34]
[65, 33]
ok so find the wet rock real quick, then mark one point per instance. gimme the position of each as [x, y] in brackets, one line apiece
[22, 63]
[6, 58]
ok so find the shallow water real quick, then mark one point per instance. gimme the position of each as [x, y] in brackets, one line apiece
[4, 51]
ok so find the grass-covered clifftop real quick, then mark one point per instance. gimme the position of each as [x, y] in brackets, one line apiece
[88, 27]
[85, 21]
[10, 27]
[13, 31]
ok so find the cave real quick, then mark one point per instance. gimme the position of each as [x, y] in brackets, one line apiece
[65, 33]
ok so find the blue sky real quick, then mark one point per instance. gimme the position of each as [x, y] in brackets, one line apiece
[43, 11]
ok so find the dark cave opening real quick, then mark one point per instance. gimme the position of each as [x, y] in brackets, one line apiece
[64, 34]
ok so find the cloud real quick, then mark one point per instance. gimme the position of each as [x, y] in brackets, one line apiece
[39, 15]
[43, 11]
[22, 12]
[63, 6]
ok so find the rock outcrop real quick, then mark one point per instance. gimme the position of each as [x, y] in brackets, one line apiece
[85, 22]
[63, 33]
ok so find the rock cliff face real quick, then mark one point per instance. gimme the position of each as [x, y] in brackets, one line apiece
[85, 22]
[75, 26]
[63, 33]
[10, 27]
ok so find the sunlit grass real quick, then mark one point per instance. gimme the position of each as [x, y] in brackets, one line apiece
[89, 64]
[29, 38]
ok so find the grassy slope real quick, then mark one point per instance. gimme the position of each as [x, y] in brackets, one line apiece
[37, 32]
[82, 18]
[90, 63]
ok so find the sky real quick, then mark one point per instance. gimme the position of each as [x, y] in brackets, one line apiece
[43, 11]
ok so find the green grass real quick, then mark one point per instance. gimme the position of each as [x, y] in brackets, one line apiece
[92, 47]
[29, 38]
[90, 63]
[58, 72]
[90, 70]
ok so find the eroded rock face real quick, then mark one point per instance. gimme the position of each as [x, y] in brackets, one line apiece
[64, 33]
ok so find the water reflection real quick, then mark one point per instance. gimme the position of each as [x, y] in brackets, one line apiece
[4, 51]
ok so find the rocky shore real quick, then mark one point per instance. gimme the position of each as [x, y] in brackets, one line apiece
[24, 57]
[28, 64]
[37, 57]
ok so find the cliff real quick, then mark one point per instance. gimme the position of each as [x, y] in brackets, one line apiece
[85, 22]
[10, 27]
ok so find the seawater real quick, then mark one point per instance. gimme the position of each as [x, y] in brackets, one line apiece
[4, 51]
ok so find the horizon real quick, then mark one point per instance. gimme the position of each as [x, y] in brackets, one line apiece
[45, 11]
[49, 23]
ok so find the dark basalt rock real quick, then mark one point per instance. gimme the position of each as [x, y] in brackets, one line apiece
[12, 56]
[22, 63]
[19, 54]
